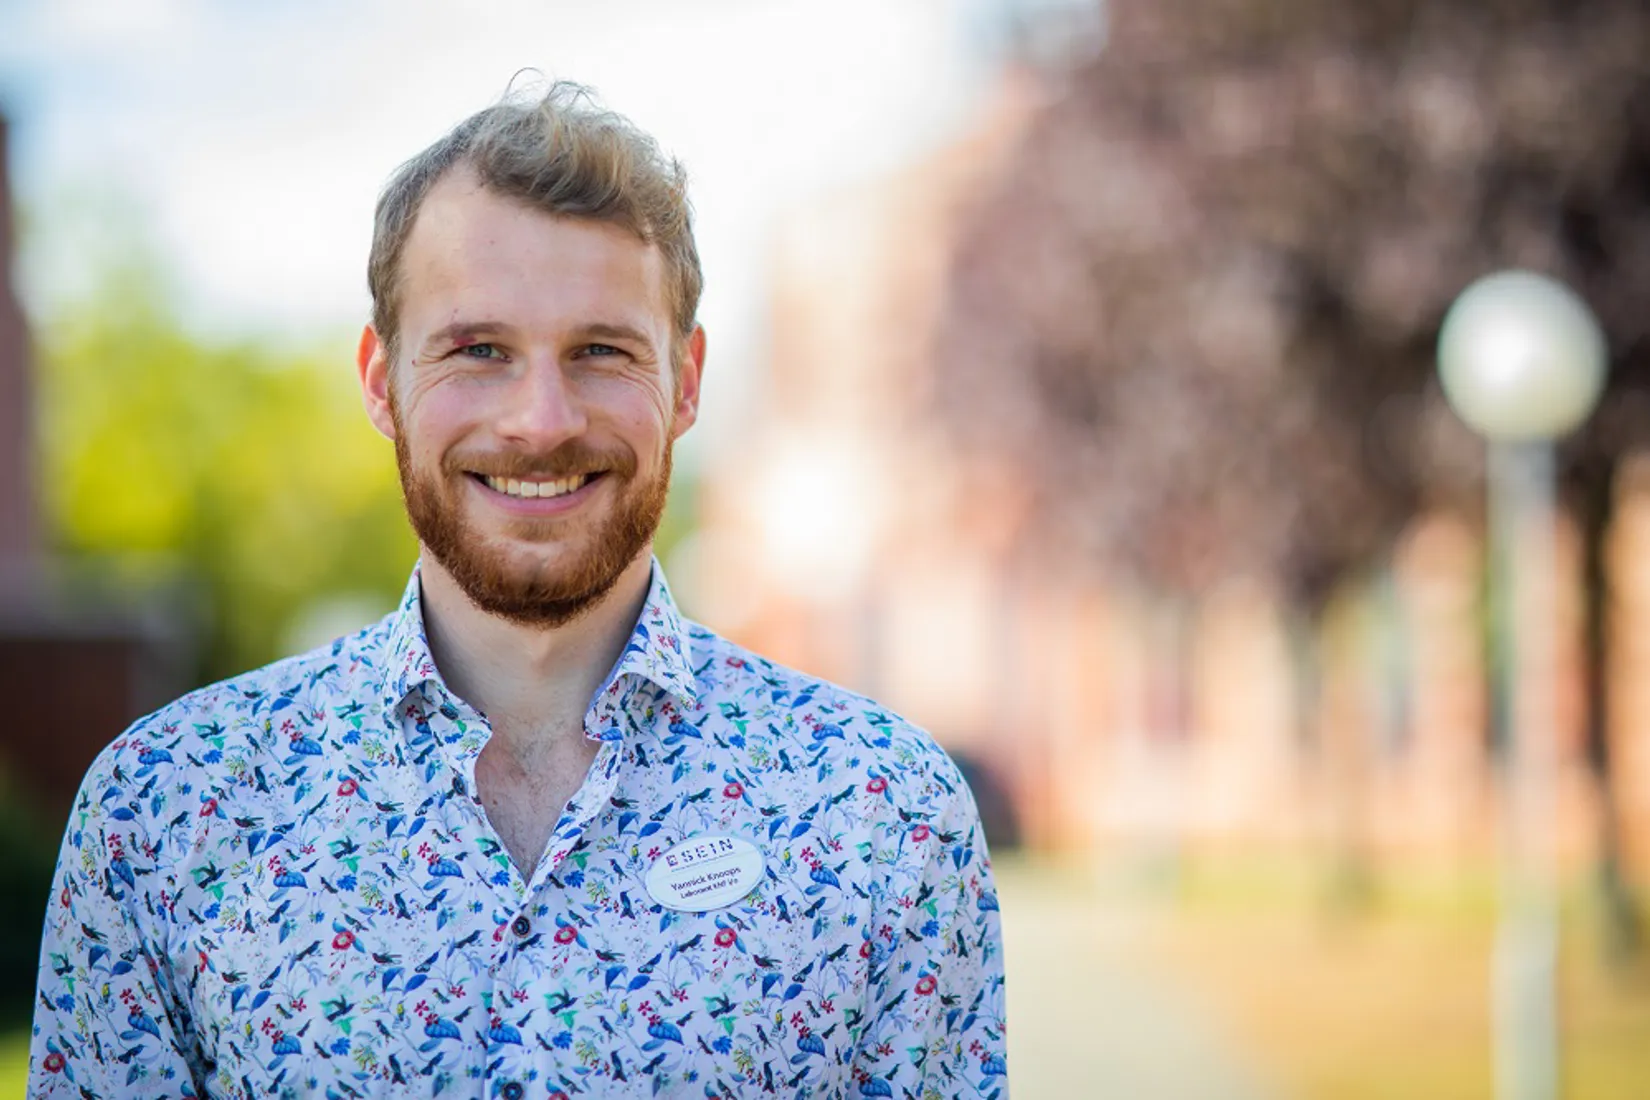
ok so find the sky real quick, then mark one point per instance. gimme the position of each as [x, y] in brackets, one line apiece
[249, 140]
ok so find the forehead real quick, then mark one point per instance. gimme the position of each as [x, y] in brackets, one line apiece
[472, 250]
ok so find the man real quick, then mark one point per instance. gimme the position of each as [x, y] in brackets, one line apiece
[532, 834]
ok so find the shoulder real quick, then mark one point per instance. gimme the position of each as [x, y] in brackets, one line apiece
[344, 669]
[205, 740]
[827, 724]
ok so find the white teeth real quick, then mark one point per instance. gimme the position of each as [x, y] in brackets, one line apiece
[512, 487]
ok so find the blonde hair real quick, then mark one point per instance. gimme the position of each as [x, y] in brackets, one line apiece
[559, 153]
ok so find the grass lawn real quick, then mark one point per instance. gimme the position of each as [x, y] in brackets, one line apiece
[1391, 999]
[14, 1063]
[1387, 999]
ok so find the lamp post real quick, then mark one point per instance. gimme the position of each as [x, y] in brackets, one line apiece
[1522, 361]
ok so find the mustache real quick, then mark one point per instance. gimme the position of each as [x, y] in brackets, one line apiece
[571, 459]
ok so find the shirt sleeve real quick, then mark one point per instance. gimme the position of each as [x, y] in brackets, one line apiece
[937, 1027]
[106, 1021]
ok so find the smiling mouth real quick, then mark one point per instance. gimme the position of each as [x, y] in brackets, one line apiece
[536, 490]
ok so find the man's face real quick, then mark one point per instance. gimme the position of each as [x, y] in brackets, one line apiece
[533, 403]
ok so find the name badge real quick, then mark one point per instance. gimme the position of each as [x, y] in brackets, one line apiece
[704, 873]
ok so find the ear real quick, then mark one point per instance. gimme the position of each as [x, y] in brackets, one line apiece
[372, 366]
[688, 373]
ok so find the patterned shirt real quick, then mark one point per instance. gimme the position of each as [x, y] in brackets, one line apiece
[284, 884]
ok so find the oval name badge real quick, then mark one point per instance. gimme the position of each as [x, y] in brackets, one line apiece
[704, 873]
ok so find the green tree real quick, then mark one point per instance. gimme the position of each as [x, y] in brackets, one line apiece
[247, 469]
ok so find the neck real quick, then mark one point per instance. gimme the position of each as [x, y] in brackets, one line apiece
[540, 677]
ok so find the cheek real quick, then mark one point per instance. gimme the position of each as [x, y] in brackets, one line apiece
[433, 417]
[634, 408]
[655, 409]
[649, 431]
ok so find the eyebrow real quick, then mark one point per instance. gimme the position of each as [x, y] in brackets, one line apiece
[460, 333]
[609, 331]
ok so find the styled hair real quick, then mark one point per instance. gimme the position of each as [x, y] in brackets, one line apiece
[559, 153]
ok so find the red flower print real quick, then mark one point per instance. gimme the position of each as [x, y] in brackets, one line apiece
[877, 785]
[926, 985]
[343, 940]
[54, 1062]
[920, 833]
[732, 790]
[209, 807]
[566, 934]
[348, 786]
[725, 937]
[865, 950]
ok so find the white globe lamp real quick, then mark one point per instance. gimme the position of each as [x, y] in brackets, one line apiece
[1521, 357]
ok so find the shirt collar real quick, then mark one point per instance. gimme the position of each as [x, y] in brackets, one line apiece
[658, 650]
[407, 659]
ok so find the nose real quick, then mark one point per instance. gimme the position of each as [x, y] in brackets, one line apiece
[542, 411]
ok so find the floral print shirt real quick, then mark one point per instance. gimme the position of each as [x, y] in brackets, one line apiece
[284, 884]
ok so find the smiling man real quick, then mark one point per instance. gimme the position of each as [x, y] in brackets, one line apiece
[532, 834]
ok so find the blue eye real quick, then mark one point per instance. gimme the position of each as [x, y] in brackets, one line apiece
[481, 351]
[602, 349]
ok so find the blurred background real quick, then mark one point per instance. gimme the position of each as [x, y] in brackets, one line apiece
[1072, 390]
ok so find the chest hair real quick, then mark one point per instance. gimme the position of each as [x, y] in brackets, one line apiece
[525, 778]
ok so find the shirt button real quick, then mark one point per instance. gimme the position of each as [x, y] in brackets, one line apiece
[521, 926]
[512, 1090]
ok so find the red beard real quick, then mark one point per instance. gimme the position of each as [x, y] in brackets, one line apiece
[544, 594]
